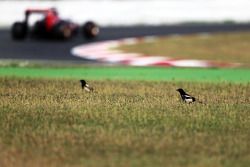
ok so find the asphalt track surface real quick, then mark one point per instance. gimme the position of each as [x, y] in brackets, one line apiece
[37, 49]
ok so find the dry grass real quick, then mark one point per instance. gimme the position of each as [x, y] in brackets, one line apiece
[55, 123]
[222, 47]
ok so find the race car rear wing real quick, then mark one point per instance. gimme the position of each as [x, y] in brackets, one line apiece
[28, 12]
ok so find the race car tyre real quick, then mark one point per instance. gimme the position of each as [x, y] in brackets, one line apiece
[66, 32]
[90, 30]
[19, 30]
[61, 31]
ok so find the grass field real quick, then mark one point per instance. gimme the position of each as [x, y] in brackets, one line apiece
[230, 47]
[52, 122]
[135, 117]
[132, 73]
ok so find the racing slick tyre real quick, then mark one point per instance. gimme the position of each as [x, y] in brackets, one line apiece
[19, 30]
[90, 30]
[62, 31]
[66, 32]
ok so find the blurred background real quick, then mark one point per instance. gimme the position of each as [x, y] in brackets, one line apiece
[119, 19]
[134, 12]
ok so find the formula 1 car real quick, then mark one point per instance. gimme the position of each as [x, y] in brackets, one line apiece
[51, 26]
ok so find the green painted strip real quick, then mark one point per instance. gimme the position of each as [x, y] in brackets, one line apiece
[132, 73]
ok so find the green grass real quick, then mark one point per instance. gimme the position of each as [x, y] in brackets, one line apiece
[53, 122]
[230, 47]
[134, 117]
[133, 73]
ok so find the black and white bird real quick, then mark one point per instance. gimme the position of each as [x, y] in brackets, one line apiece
[186, 97]
[86, 86]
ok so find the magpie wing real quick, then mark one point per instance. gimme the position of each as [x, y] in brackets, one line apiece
[187, 96]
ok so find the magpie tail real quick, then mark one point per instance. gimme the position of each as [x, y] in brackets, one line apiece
[201, 102]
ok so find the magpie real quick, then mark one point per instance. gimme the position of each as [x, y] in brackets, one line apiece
[186, 97]
[86, 86]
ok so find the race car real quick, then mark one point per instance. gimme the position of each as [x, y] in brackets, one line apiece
[51, 26]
